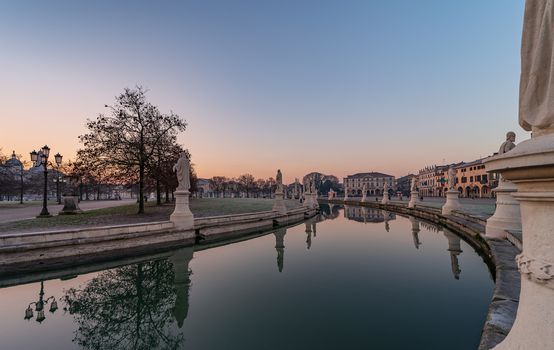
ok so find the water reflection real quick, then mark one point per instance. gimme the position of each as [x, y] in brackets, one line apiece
[415, 231]
[132, 307]
[145, 305]
[40, 304]
[280, 247]
[455, 249]
[366, 214]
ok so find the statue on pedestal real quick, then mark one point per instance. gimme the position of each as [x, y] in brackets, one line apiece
[279, 179]
[451, 178]
[414, 184]
[509, 144]
[182, 168]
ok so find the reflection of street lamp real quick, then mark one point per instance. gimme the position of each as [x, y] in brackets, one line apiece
[39, 306]
[45, 152]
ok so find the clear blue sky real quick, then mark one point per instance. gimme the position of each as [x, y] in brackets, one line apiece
[332, 86]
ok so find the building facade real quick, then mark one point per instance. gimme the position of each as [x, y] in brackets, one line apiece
[373, 181]
[473, 181]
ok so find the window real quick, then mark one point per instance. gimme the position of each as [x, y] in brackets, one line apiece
[485, 179]
[471, 179]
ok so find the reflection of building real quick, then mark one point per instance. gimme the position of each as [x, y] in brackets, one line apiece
[455, 249]
[180, 261]
[366, 214]
[373, 181]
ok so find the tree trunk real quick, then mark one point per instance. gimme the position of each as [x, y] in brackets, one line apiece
[158, 192]
[166, 194]
[141, 188]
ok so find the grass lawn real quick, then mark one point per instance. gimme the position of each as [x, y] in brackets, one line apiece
[127, 214]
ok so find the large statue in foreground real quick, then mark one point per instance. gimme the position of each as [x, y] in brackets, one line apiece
[182, 168]
[536, 88]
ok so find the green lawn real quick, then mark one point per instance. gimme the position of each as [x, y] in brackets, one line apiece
[127, 214]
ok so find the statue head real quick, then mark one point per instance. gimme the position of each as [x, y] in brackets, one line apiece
[511, 136]
[183, 154]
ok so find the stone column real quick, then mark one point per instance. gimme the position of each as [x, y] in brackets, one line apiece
[278, 202]
[530, 167]
[180, 261]
[414, 199]
[507, 215]
[182, 217]
[452, 202]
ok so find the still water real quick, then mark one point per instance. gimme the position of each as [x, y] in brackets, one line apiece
[351, 278]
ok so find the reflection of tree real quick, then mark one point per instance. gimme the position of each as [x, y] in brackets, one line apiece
[126, 308]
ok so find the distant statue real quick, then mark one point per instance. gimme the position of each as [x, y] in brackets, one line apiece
[279, 179]
[182, 168]
[536, 88]
[386, 189]
[509, 144]
[313, 186]
[414, 184]
[451, 178]
[364, 190]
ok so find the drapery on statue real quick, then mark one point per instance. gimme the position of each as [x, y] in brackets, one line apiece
[451, 178]
[536, 88]
[182, 168]
[509, 144]
[279, 180]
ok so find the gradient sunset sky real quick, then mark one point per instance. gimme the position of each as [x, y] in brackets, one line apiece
[338, 86]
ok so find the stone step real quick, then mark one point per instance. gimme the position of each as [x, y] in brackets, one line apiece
[478, 219]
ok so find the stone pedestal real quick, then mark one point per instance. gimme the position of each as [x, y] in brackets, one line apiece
[385, 199]
[530, 166]
[452, 202]
[70, 205]
[507, 215]
[307, 200]
[279, 203]
[182, 216]
[364, 198]
[414, 199]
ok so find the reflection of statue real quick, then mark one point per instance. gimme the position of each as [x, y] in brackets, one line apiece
[536, 88]
[415, 231]
[280, 247]
[183, 172]
[309, 237]
[451, 178]
[181, 280]
[509, 144]
[454, 247]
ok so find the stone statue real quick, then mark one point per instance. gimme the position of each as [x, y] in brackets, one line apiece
[313, 189]
[386, 189]
[451, 178]
[279, 179]
[364, 190]
[509, 144]
[536, 88]
[182, 168]
[414, 184]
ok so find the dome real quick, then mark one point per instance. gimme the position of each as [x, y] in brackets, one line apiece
[13, 161]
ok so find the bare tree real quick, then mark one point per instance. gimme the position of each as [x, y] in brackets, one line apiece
[247, 183]
[126, 140]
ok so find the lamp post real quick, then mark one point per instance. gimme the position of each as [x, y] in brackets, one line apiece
[58, 159]
[43, 155]
[39, 306]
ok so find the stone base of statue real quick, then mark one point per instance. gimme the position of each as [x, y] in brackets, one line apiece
[279, 203]
[364, 198]
[70, 206]
[530, 166]
[307, 200]
[182, 217]
[507, 215]
[414, 199]
[452, 202]
[385, 199]
[315, 204]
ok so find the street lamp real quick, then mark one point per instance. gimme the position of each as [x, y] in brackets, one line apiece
[58, 159]
[39, 306]
[43, 155]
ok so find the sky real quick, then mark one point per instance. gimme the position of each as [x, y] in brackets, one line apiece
[335, 86]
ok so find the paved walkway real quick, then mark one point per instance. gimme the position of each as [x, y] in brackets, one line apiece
[8, 214]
